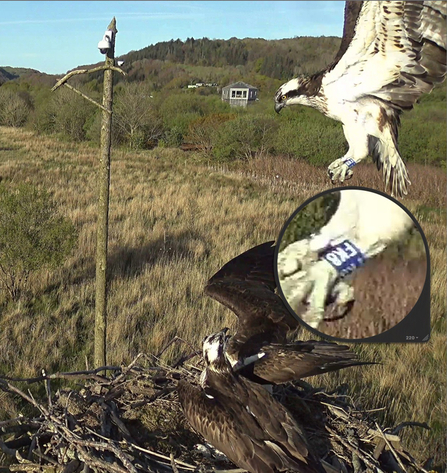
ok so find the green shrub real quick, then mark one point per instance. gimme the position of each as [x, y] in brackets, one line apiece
[172, 137]
[307, 134]
[63, 112]
[32, 235]
[178, 111]
[203, 130]
[422, 135]
[245, 137]
[43, 119]
[136, 118]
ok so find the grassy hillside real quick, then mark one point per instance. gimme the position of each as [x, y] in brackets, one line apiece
[174, 220]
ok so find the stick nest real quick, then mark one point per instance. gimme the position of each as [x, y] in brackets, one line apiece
[130, 420]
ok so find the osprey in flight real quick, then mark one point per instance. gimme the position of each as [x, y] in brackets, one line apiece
[391, 53]
[261, 349]
[242, 420]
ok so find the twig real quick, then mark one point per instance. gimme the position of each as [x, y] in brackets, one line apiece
[173, 465]
[184, 358]
[174, 340]
[390, 447]
[48, 389]
[111, 447]
[118, 422]
[364, 457]
[32, 467]
[10, 387]
[381, 434]
[19, 424]
[164, 457]
[236, 470]
[125, 370]
[154, 397]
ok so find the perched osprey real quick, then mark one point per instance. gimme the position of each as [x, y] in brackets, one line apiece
[391, 53]
[261, 349]
[242, 420]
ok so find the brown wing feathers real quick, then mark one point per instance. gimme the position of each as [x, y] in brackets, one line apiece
[247, 424]
[425, 28]
[246, 285]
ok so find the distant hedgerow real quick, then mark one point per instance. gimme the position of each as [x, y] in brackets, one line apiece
[32, 235]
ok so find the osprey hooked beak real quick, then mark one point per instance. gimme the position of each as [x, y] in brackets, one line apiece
[279, 106]
[280, 100]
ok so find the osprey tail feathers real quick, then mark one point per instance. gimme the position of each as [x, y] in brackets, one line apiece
[386, 156]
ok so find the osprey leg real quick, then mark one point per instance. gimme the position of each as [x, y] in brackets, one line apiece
[323, 276]
[341, 169]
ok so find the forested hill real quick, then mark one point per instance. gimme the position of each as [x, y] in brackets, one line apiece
[31, 76]
[6, 75]
[279, 59]
[175, 64]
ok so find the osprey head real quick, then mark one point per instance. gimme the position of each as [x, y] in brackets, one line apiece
[294, 92]
[214, 347]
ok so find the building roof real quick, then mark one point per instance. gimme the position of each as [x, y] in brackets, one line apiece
[240, 85]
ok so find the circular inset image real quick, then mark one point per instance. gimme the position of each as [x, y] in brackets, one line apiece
[353, 264]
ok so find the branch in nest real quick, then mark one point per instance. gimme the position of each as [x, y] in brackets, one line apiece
[91, 374]
[369, 462]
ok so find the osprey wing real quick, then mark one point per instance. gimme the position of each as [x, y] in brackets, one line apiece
[397, 53]
[220, 427]
[249, 432]
[352, 10]
[280, 426]
[255, 264]
[246, 285]
[283, 363]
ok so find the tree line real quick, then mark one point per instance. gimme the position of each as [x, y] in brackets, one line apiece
[278, 59]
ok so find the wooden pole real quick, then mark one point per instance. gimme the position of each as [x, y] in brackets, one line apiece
[103, 208]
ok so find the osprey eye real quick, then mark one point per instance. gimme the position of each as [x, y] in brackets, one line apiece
[284, 97]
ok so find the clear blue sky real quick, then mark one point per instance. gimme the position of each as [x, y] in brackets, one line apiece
[55, 37]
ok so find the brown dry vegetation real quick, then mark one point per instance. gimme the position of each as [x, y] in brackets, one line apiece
[174, 221]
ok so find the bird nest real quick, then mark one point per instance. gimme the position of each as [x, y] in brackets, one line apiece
[130, 420]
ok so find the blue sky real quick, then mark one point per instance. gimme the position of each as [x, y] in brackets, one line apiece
[55, 37]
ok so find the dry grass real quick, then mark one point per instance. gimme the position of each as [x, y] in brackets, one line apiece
[173, 223]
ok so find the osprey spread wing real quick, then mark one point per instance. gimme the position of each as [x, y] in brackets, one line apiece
[391, 53]
[261, 349]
